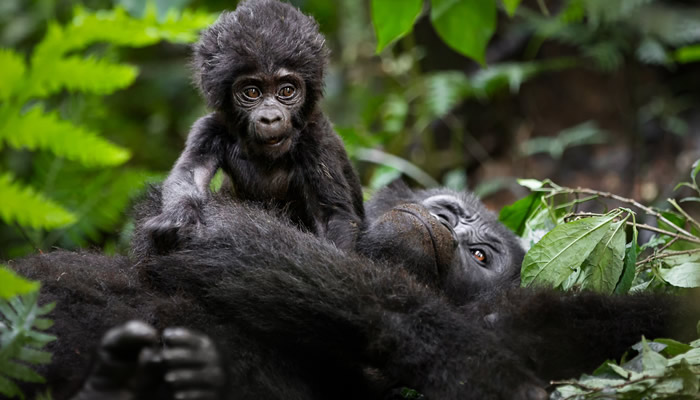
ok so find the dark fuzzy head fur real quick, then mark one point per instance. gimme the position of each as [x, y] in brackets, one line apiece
[260, 36]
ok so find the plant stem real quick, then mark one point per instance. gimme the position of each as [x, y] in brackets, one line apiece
[634, 203]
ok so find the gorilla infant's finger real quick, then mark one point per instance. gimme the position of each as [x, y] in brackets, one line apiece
[183, 337]
[196, 395]
[124, 342]
[179, 358]
[195, 378]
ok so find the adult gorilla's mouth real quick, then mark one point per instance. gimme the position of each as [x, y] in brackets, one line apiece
[439, 233]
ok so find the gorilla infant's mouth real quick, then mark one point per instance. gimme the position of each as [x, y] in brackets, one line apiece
[275, 140]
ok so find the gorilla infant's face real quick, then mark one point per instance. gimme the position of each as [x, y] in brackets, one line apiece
[447, 239]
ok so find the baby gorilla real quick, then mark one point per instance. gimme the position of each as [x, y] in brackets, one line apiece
[261, 70]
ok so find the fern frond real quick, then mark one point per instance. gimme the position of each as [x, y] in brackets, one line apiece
[118, 27]
[87, 75]
[36, 130]
[445, 90]
[101, 203]
[12, 284]
[11, 73]
[23, 205]
[21, 337]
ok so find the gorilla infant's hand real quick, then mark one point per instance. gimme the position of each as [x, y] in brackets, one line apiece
[164, 229]
[131, 367]
[123, 369]
[193, 367]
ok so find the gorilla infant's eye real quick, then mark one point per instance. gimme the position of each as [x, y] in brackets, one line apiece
[251, 92]
[286, 91]
[479, 255]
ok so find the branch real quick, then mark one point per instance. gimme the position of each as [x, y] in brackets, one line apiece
[626, 200]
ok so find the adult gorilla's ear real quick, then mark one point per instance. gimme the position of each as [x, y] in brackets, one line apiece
[395, 193]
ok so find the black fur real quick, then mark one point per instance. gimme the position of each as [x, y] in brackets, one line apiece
[296, 318]
[275, 148]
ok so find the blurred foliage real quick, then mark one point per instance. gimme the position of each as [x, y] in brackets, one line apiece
[401, 95]
[21, 338]
[74, 184]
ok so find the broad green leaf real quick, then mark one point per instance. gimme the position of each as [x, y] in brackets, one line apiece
[515, 215]
[511, 6]
[12, 284]
[538, 224]
[691, 356]
[673, 347]
[563, 250]
[11, 73]
[21, 204]
[629, 266]
[393, 19]
[685, 275]
[465, 25]
[36, 130]
[651, 360]
[603, 267]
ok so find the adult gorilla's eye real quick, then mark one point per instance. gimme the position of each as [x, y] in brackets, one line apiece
[286, 91]
[479, 255]
[251, 92]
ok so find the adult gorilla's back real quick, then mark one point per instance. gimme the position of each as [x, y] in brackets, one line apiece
[296, 318]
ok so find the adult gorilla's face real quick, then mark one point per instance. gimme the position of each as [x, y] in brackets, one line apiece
[446, 238]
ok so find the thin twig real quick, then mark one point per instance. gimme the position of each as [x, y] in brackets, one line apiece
[632, 202]
[682, 211]
[668, 254]
[646, 227]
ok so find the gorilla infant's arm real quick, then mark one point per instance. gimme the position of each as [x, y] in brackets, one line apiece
[267, 132]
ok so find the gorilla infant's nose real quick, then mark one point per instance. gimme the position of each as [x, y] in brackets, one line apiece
[270, 117]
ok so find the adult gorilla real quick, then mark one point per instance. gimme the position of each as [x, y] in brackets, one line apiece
[296, 318]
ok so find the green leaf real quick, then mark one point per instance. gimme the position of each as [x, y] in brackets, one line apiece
[562, 251]
[673, 347]
[694, 171]
[515, 215]
[393, 19]
[603, 267]
[9, 389]
[531, 184]
[96, 76]
[21, 204]
[651, 360]
[511, 6]
[685, 275]
[465, 25]
[629, 267]
[36, 130]
[12, 284]
[11, 73]
[688, 54]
